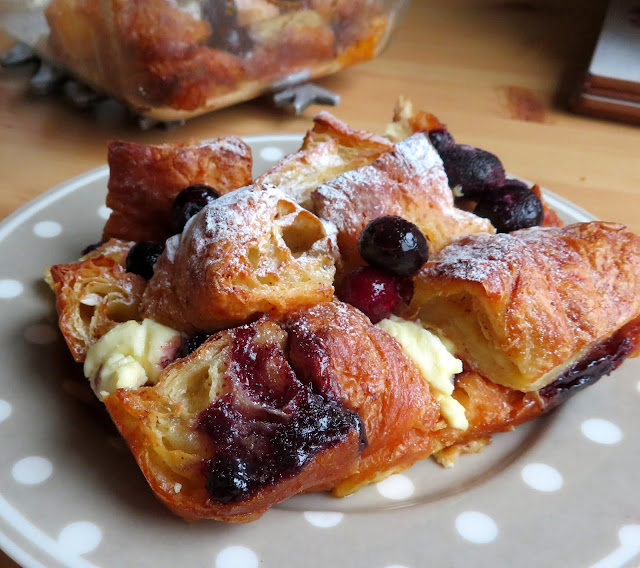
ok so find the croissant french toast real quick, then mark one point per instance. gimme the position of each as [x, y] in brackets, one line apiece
[252, 251]
[338, 319]
[409, 182]
[264, 411]
[523, 308]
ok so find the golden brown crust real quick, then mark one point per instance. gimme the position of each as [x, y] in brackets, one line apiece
[362, 143]
[144, 181]
[329, 149]
[95, 294]
[490, 408]
[520, 306]
[160, 425]
[251, 252]
[115, 249]
[409, 182]
[324, 350]
[335, 347]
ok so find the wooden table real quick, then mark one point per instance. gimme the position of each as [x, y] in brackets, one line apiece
[493, 71]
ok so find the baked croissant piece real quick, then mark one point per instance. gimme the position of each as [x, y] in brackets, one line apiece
[252, 251]
[329, 149]
[144, 180]
[524, 308]
[409, 182]
[268, 410]
[239, 380]
[94, 295]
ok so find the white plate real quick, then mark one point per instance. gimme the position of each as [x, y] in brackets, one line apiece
[561, 491]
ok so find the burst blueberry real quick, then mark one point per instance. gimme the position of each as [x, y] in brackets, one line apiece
[229, 479]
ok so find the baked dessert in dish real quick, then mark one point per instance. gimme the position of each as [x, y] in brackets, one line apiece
[171, 60]
[366, 303]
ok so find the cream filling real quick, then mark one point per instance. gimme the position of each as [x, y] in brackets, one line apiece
[129, 356]
[436, 365]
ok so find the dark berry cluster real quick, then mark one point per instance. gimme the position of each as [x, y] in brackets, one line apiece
[142, 258]
[478, 175]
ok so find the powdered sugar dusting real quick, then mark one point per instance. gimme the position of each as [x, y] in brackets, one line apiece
[413, 157]
[476, 257]
[563, 288]
[253, 250]
[409, 181]
[228, 218]
[231, 144]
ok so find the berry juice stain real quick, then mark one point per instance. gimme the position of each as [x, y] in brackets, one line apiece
[602, 360]
[270, 425]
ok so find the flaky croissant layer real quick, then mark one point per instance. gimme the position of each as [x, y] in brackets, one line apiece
[263, 385]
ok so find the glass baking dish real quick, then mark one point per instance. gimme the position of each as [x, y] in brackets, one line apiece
[174, 59]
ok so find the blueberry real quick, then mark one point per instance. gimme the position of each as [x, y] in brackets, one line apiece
[229, 479]
[374, 293]
[440, 137]
[511, 182]
[511, 207]
[142, 257]
[471, 170]
[189, 202]
[394, 245]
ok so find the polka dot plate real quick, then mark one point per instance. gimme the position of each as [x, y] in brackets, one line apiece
[561, 491]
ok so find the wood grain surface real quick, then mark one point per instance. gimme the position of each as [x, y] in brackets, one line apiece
[496, 72]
